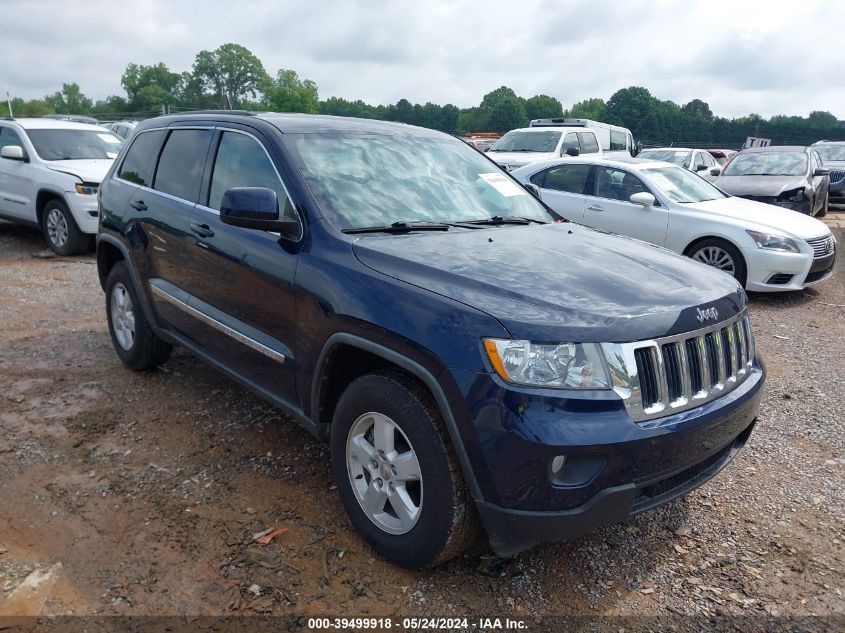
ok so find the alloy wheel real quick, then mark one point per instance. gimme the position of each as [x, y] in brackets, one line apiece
[122, 316]
[716, 257]
[57, 227]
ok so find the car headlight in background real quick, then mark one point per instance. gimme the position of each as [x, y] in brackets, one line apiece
[562, 365]
[86, 189]
[793, 195]
[774, 242]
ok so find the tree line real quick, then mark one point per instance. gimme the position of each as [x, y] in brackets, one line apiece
[233, 77]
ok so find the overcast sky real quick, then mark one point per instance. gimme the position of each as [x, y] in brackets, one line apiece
[739, 56]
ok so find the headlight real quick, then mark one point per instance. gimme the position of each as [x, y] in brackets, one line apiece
[774, 242]
[564, 365]
[86, 190]
[793, 195]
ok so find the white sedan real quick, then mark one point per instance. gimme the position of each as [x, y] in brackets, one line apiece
[764, 247]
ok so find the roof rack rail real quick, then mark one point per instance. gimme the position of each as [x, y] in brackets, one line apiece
[236, 112]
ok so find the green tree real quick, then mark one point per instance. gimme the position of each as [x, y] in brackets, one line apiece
[699, 109]
[504, 111]
[150, 87]
[231, 72]
[588, 109]
[288, 93]
[32, 107]
[543, 107]
[629, 107]
[69, 100]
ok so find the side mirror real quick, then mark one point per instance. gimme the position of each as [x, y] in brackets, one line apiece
[572, 151]
[715, 171]
[13, 152]
[534, 190]
[643, 198]
[255, 208]
[821, 171]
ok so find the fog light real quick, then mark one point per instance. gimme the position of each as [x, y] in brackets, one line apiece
[558, 463]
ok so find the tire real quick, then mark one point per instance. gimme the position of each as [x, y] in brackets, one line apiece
[722, 255]
[436, 520]
[132, 337]
[823, 211]
[60, 230]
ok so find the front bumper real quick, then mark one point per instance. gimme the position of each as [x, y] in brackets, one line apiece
[773, 271]
[637, 466]
[85, 211]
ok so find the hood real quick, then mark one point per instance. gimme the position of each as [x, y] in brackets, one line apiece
[759, 185]
[88, 170]
[759, 215]
[558, 282]
[518, 159]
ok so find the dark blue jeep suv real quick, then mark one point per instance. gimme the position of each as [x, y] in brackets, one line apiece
[475, 361]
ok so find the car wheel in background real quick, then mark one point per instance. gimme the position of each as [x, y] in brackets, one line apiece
[823, 210]
[396, 473]
[721, 255]
[60, 230]
[134, 340]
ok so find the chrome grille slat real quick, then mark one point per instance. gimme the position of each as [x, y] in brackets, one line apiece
[678, 372]
[822, 246]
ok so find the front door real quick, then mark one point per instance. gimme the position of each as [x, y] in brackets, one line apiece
[242, 280]
[17, 188]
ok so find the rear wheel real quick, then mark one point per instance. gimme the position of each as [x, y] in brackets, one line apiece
[134, 340]
[396, 474]
[60, 230]
[722, 255]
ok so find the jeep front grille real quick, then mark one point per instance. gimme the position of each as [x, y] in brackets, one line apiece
[671, 374]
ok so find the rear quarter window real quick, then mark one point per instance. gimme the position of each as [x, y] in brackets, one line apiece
[617, 140]
[589, 144]
[140, 160]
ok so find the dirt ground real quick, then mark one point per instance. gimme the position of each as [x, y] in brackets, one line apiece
[127, 494]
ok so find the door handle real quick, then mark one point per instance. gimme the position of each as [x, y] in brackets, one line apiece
[595, 208]
[202, 230]
[138, 205]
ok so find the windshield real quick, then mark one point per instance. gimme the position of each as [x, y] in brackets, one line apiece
[59, 144]
[363, 180]
[831, 153]
[527, 142]
[674, 156]
[680, 185]
[768, 164]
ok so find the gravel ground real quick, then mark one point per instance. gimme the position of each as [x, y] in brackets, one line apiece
[139, 494]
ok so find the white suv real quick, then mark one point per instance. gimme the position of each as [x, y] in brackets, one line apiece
[50, 171]
[529, 145]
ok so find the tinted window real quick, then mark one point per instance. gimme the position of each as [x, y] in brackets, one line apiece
[589, 145]
[569, 178]
[9, 137]
[617, 184]
[182, 160]
[140, 160]
[617, 140]
[242, 162]
[570, 141]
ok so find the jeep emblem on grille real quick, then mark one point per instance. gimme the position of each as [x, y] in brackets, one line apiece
[707, 315]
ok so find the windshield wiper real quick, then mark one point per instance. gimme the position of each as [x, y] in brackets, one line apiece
[400, 227]
[496, 220]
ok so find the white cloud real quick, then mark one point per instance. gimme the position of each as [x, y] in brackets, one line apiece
[740, 57]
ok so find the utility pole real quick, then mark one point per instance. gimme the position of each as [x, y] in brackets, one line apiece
[9, 101]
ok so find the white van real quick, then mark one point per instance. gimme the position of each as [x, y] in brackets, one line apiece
[529, 145]
[615, 140]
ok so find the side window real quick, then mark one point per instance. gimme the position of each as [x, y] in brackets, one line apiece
[815, 161]
[570, 141]
[140, 160]
[589, 145]
[700, 160]
[616, 184]
[182, 160]
[242, 162]
[617, 141]
[9, 137]
[568, 178]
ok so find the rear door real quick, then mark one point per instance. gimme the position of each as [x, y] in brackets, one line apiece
[608, 206]
[242, 280]
[157, 215]
[562, 187]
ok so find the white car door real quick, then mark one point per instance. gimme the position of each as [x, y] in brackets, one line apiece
[562, 188]
[609, 207]
[16, 183]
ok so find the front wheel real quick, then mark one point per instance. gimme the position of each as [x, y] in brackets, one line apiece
[823, 211]
[396, 473]
[721, 255]
[60, 230]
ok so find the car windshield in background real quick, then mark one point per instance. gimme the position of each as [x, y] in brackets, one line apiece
[768, 164]
[680, 185]
[680, 158]
[831, 153]
[527, 142]
[365, 180]
[58, 144]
